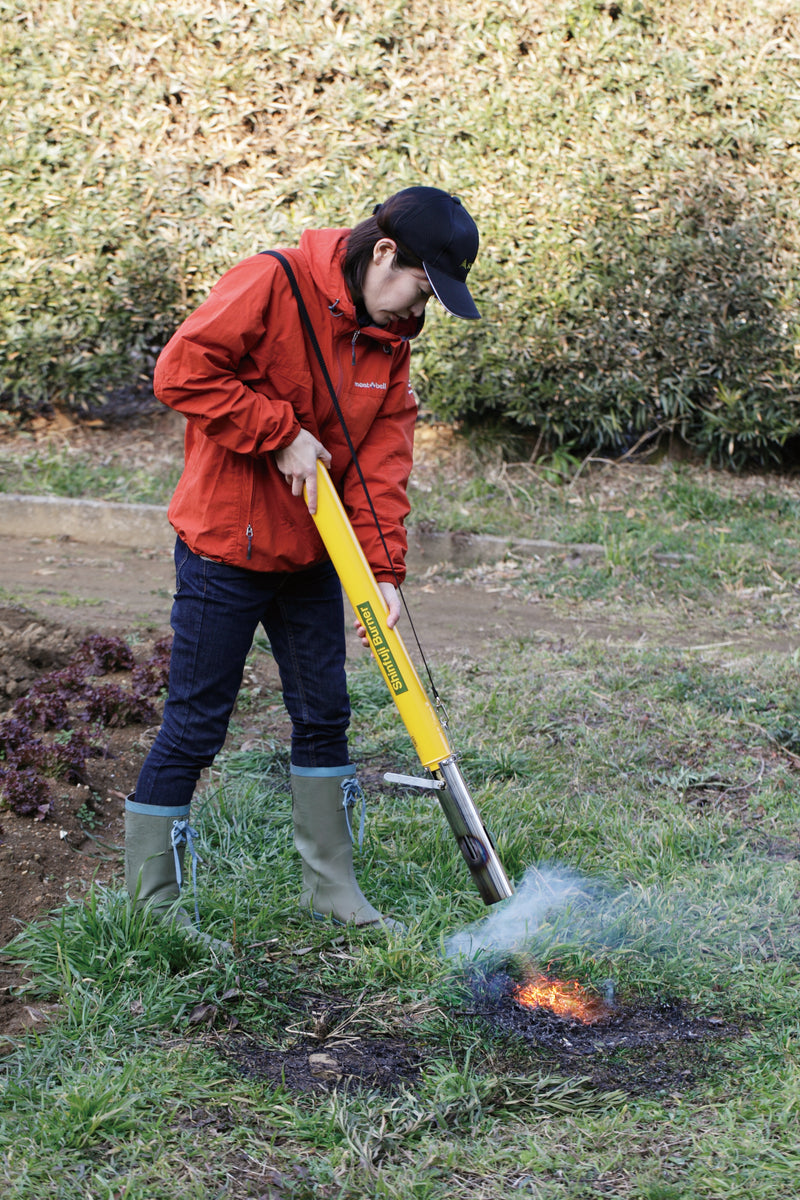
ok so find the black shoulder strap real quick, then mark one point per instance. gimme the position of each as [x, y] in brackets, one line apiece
[301, 304]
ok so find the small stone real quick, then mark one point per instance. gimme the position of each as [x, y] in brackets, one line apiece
[324, 1066]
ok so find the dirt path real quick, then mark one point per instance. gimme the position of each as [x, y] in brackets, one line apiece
[128, 592]
[86, 586]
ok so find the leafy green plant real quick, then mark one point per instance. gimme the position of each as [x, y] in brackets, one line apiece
[87, 817]
[630, 169]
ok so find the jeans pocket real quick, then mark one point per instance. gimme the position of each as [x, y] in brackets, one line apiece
[182, 556]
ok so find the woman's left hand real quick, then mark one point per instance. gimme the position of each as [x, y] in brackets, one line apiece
[392, 598]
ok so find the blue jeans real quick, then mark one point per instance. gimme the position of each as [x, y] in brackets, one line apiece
[216, 612]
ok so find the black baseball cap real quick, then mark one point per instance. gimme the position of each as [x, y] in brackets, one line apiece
[436, 228]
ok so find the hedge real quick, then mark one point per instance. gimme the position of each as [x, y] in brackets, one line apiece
[633, 168]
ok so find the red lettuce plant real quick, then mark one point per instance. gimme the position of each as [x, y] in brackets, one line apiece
[70, 702]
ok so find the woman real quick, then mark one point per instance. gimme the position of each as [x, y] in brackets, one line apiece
[259, 415]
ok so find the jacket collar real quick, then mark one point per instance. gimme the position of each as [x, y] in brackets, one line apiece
[324, 250]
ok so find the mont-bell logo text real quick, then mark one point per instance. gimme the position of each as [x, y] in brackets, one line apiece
[382, 651]
[373, 383]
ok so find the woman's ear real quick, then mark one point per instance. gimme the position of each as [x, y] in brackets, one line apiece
[383, 247]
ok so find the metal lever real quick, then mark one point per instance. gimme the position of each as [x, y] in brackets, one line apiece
[414, 781]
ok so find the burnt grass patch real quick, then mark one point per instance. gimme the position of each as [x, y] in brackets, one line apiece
[379, 1064]
[637, 1046]
[331, 1045]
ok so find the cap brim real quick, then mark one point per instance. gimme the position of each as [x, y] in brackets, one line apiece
[452, 294]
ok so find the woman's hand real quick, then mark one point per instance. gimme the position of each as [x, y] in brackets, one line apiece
[392, 599]
[297, 462]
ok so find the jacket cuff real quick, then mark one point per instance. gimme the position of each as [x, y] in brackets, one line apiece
[288, 439]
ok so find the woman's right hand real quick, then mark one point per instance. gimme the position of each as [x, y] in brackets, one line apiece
[297, 462]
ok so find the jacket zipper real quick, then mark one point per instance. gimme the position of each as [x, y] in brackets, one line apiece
[339, 349]
[249, 531]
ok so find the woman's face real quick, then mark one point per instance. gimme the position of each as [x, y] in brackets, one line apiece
[393, 293]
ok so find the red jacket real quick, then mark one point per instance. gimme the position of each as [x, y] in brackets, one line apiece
[241, 370]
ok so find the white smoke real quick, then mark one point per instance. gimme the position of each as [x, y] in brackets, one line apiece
[512, 923]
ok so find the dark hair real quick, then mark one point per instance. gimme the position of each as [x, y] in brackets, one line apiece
[362, 239]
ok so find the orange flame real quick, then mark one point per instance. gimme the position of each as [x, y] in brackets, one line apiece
[565, 998]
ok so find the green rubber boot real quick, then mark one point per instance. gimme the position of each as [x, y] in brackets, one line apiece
[155, 846]
[321, 799]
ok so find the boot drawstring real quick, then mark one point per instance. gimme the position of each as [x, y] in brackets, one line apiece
[353, 792]
[183, 834]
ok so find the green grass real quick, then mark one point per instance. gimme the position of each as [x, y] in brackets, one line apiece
[68, 470]
[666, 533]
[650, 799]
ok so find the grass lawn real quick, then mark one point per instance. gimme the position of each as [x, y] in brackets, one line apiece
[644, 797]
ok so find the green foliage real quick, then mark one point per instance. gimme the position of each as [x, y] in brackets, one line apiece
[676, 319]
[630, 167]
[67, 471]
